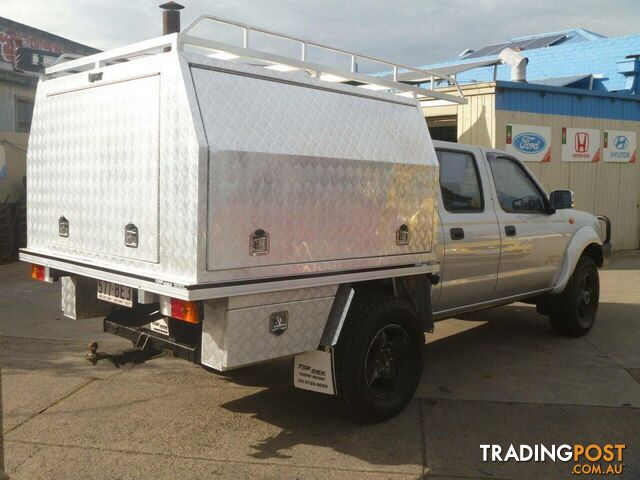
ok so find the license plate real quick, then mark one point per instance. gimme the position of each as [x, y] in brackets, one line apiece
[114, 293]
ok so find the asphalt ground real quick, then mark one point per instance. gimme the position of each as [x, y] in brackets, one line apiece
[499, 376]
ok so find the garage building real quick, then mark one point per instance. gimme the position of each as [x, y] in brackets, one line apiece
[24, 52]
[575, 119]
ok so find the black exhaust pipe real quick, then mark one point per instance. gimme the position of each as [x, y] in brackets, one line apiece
[171, 17]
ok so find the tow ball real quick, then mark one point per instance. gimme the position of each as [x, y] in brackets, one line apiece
[131, 355]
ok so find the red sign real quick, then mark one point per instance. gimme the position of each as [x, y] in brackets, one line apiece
[10, 41]
[582, 142]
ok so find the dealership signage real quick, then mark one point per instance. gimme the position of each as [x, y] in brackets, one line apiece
[529, 143]
[11, 40]
[580, 145]
[619, 146]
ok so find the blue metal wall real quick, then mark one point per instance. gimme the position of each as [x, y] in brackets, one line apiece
[531, 98]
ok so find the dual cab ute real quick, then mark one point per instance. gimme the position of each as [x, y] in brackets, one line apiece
[233, 206]
[502, 239]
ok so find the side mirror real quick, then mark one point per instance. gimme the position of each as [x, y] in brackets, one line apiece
[561, 199]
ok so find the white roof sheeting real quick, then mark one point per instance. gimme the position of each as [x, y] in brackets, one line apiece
[413, 77]
[561, 81]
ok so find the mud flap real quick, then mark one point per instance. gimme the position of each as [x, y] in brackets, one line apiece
[314, 371]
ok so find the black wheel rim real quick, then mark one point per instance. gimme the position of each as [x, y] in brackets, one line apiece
[587, 301]
[388, 361]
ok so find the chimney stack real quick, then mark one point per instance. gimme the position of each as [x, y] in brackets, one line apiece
[171, 17]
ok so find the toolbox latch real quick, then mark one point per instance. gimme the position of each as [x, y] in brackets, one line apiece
[95, 77]
[259, 243]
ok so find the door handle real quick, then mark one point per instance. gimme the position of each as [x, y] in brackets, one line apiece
[456, 233]
[510, 231]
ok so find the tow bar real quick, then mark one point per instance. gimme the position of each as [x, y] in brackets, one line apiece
[122, 357]
[183, 340]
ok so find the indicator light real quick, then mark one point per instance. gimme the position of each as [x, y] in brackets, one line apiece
[38, 272]
[184, 310]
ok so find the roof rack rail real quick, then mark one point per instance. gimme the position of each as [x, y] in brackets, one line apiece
[226, 51]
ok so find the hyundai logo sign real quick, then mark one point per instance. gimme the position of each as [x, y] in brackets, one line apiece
[529, 143]
[621, 142]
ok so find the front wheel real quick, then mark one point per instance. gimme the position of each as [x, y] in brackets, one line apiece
[379, 358]
[576, 307]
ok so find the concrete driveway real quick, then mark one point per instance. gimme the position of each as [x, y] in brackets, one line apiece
[494, 377]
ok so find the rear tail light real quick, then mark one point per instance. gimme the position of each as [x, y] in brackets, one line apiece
[186, 311]
[38, 272]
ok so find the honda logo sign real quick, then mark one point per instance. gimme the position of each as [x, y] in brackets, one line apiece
[582, 142]
[580, 145]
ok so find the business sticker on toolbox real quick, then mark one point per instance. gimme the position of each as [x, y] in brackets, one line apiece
[160, 326]
[314, 371]
[529, 143]
[580, 145]
[619, 146]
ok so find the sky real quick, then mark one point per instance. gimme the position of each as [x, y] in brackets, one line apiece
[413, 32]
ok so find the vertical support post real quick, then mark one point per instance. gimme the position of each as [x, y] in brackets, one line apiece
[455, 80]
[395, 73]
[354, 64]
[245, 37]
[304, 51]
[3, 476]
[495, 72]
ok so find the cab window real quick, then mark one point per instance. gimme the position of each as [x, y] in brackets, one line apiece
[516, 191]
[459, 182]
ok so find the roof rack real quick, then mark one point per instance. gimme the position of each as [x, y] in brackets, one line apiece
[228, 51]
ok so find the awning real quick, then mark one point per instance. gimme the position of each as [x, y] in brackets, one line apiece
[561, 81]
[416, 77]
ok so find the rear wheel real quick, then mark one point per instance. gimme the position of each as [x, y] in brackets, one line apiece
[379, 358]
[575, 309]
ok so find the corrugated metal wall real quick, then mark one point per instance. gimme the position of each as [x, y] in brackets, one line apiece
[476, 119]
[611, 189]
[9, 92]
[13, 145]
[13, 150]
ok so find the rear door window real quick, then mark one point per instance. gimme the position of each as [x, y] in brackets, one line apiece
[460, 182]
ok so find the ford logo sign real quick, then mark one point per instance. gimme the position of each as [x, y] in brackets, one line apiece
[621, 142]
[529, 143]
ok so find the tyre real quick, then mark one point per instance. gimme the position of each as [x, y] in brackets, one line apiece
[576, 308]
[378, 359]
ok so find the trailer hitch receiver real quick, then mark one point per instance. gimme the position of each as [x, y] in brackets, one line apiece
[130, 355]
[182, 340]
